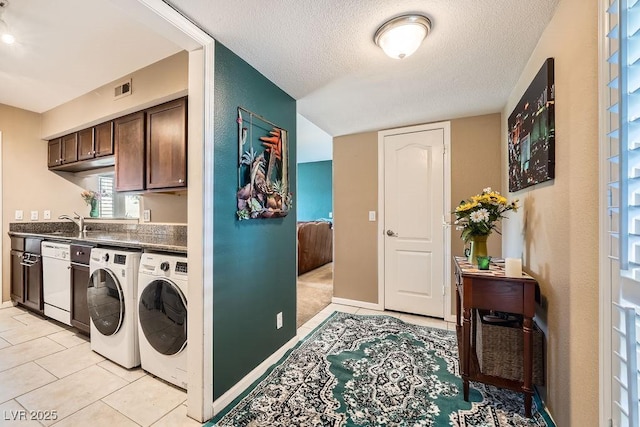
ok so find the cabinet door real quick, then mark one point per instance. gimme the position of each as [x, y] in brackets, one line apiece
[17, 277]
[129, 144]
[79, 308]
[70, 148]
[33, 285]
[55, 152]
[85, 144]
[103, 139]
[167, 145]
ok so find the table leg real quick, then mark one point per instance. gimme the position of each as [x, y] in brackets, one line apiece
[527, 386]
[466, 353]
[458, 298]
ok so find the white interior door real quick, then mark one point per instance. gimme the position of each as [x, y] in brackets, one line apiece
[414, 203]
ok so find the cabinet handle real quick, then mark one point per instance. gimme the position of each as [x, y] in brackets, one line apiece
[180, 181]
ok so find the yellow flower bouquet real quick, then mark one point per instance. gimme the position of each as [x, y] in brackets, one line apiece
[478, 215]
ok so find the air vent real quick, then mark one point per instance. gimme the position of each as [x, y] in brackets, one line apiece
[123, 89]
[181, 267]
[120, 259]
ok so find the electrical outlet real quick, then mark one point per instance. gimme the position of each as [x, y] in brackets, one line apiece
[279, 320]
[19, 215]
[34, 215]
[146, 215]
[46, 214]
[330, 214]
[372, 215]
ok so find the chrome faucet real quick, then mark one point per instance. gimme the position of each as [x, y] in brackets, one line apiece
[77, 219]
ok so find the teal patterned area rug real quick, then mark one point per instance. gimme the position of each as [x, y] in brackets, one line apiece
[374, 371]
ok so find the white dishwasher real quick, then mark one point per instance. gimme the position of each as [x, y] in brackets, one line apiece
[56, 281]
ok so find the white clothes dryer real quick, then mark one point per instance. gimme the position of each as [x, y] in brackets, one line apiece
[162, 316]
[111, 297]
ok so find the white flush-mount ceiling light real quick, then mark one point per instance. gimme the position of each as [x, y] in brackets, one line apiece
[5, 34]
[402, 36]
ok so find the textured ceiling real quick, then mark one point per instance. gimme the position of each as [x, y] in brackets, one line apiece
[66, 48]
[322, 54]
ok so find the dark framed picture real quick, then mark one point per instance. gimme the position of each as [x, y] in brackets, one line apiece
[531, 140]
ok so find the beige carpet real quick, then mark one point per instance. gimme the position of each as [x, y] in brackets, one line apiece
[315, 289]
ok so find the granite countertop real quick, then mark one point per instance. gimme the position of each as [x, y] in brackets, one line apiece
[138, 237]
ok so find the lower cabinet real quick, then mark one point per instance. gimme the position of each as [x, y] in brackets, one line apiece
[17, 276]
[26, 273]
[79, 279]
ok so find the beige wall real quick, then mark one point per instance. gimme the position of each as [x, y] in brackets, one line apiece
[27, 184]
[355, 193]
[165, 208]
[162, 81]
[475, 150]
[557, 231]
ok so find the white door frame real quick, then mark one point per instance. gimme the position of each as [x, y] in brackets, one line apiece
[172, 24]
[446, 229]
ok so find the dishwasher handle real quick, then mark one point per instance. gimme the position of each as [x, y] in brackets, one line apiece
[29, 260]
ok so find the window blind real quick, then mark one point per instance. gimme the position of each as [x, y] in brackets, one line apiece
[106, 196]
[622, 47]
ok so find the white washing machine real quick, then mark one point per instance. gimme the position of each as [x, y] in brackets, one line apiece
[162, 316]
[111, 297]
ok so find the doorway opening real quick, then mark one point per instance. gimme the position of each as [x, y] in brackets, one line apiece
[315, 238]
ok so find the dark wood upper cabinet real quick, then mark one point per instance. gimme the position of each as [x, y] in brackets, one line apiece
[103, 143]
[150, 148]
[55, 153]
[166, 145]
[85, 144]
[129, 147]
[96, 141]
[70, 148]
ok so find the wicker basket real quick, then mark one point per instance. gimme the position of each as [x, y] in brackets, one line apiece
[499, 349]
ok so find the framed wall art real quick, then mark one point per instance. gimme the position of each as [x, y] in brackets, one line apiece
[531, 133]
[263, 168]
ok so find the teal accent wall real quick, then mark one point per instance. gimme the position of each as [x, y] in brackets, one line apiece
[315, 190]
[254, 264]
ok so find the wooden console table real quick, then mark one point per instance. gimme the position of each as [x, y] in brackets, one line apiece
[492, 290]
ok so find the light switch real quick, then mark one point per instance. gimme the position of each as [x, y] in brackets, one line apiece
[330, 214]
[19, 215]
[372, 215]
[46, 214]
[34, 215]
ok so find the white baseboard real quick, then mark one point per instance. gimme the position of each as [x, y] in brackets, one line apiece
[7, 304]
[355, 303]
[220, 403]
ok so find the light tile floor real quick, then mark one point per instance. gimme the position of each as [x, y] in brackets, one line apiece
[46, 366]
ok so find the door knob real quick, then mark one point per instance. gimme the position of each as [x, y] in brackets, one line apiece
[390, 233]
